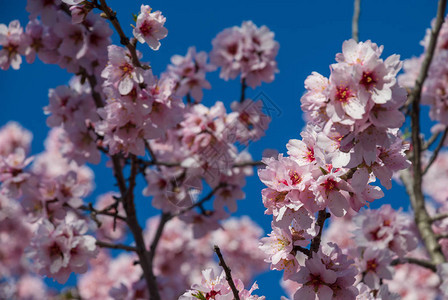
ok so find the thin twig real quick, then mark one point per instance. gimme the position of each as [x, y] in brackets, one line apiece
[431, 141]
[200, 202]
[436, 151]
[227, 270]
[103, 244]
[416, 261]
[124, 40]
[243, 90]
[355, 20]
[101, 212]
[249, 164]
[164, 218]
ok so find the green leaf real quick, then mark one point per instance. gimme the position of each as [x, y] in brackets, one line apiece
[200, 296]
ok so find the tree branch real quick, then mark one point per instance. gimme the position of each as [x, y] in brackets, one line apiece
[200, 202]
[436, 151]
[227, 270]
[305, 251]
[164, 218]
[411, 260]
[243, 90]
[103, 244]
[355, 20]
[414, 186]
[439, 217]
[124, 40]
[321, 217]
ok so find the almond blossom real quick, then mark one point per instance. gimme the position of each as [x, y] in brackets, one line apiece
[149, 27]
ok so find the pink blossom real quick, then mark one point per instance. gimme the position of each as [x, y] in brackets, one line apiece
[189, 73]
[13, 45]
[328, 274]
[149, 27]
[246, 50]
[385, 228]
[375, 266]
[59, 250]
[12, 137]
[120, 72]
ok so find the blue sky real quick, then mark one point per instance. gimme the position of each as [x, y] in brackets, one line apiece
[310, 33]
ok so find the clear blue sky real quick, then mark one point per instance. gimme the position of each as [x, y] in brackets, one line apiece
[310, 33]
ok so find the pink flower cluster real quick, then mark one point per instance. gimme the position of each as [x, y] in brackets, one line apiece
[58, 250]
[138, 106]
[329, 274]
[73, 109]
[248, 51]
[217, 287]
[189, 73]
[55, 40]
[36, 209]
[351, 139]
[434, 90]
[180, 257]
[178, 261]
[203, 146]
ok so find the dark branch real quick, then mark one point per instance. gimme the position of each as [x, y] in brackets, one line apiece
[124, 40]
[436, 151]
[164, 218]
[243, 90]
[200, 202]
[227, 270]
[411, 260]
[103, 244]
[321, 217]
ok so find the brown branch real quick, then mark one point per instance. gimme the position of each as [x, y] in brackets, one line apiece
[431, 141]
[243, 90]
[414, 185]
[321, 217]
[227, 270]
[103, 244]
[124, 40]
[439, 217]
[305, 251]
[131, 219]
[94, 211]
[355, 20]
[200, 202]
[249, 164]
[442, 236]
[411, 260]
[436, 151]
[164, 218]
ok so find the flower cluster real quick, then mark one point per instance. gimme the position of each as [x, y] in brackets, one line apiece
[58, 250]
[138, 106]
[434, 88]
[216, 287]
[189, 73]
[203, 146]
[351, 140]
[248, 51]
[55, 40]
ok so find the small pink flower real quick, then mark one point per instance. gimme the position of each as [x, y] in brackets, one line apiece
[149, 27]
